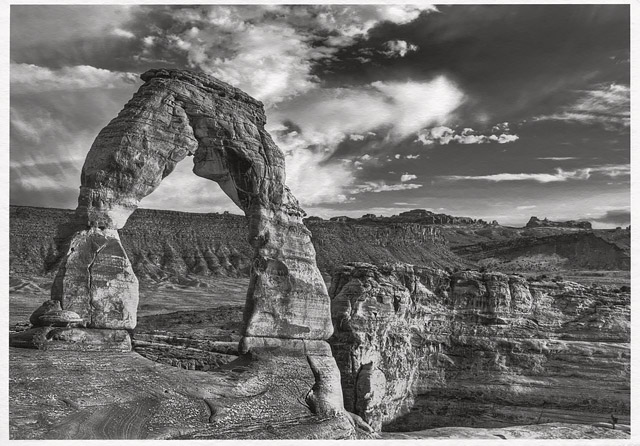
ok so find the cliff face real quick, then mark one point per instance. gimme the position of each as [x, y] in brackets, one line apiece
[595, 250]
[421, 348]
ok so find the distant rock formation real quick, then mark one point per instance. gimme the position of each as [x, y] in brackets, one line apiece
[421, 216]
[423, 347]
[535, 222]
[181, 247]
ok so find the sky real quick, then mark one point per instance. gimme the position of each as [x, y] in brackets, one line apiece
[497, 112]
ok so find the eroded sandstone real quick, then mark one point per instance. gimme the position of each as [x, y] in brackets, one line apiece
[175, 114]
[422, 348]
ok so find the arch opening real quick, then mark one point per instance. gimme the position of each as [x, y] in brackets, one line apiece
[173, 115]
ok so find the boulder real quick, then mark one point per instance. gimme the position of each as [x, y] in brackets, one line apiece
[59, 318]
[47, 306]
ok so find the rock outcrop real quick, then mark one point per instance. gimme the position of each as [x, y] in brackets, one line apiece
[173, 115]
[422, 347]
[535, 222]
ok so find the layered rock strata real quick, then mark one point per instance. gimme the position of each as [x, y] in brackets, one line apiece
[173, 115]
[421, 348]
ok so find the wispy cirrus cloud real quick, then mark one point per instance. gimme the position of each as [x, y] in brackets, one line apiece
[608, 105]
[559, 175]
[29, 78]
[382, 186]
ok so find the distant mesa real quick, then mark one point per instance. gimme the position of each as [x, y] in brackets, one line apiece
[535, 222]
[414, 216]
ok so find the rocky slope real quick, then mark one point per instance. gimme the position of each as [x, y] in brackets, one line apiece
[421, 348]
[541, 249]
[183, 246]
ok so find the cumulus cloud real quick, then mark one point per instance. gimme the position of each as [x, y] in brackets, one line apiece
[401, 108]
[608, 105]
[270, 50]
[407, 177]
[28, 78]
[398, 48]
[442, 135]
[560, 175]
[525, 207]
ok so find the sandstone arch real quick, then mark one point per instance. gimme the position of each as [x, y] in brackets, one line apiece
[174, 114]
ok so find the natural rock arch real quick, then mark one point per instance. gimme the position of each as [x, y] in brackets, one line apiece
[177, 113]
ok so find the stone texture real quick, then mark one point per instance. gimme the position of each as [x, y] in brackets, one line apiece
[114, 395]
[421, 348]
[46, 307]
[96, 280]
[175, 114]
[545, 431]
[72, 339]
[59, 318]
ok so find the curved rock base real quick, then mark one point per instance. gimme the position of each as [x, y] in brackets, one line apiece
[72, 339]
[64, 395]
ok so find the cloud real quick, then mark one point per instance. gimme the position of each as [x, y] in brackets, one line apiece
[558, 158]
[401, 108]
[442, 135]
[397, 48]
[269, 51]
[413, 157]
[559, 175]
[354, 137]
[382, 186]
[525, 207]
[620, 217]
[28, 78]
[311, 178]
[123, 33]
[608, 105]
[407, 177]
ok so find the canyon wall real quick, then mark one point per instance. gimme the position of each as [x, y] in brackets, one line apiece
[421, 348]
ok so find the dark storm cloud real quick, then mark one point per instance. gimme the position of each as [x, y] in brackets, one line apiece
[618, 217]
[515, 61]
